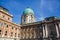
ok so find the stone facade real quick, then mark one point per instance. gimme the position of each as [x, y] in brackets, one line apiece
[42, 30]
[47, 29]
[8, 29]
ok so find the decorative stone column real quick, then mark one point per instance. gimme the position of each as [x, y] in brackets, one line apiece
[57, 30]
[43, 32]
[14, 33]
[34, 34]
[17, 33]
[59, 25]
[23, 33]
[27, 33]
[46, 31]
[30, 33]
[38, 33]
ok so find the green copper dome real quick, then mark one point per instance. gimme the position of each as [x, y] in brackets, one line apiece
[28, 11]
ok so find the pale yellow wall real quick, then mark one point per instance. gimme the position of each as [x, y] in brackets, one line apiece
[6, 16]
[9, 29]
[10, 24]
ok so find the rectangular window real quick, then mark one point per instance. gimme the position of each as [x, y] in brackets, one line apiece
[5, 33]
[3, 16]
[11, 33]
[7, 26]
[16, 29]
[12, 27]
[8, 18]
[15, 34]
[0, 32]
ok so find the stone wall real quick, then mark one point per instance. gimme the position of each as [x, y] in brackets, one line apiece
[9, 38]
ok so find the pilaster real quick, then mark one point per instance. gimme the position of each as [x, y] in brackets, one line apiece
[57, 30]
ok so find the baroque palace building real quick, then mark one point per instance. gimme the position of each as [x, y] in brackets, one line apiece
[29, 29]
[8, 29]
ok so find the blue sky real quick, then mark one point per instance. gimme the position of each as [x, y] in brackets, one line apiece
[42, 8]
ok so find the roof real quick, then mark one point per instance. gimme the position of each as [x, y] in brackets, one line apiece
[28, 10]
[1, 7]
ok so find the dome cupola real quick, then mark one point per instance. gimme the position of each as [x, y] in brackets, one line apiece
[28, 16]
[28, 11]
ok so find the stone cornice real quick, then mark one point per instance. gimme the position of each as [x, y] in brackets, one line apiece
[40, 22]
[6, 13]
[10, 22]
